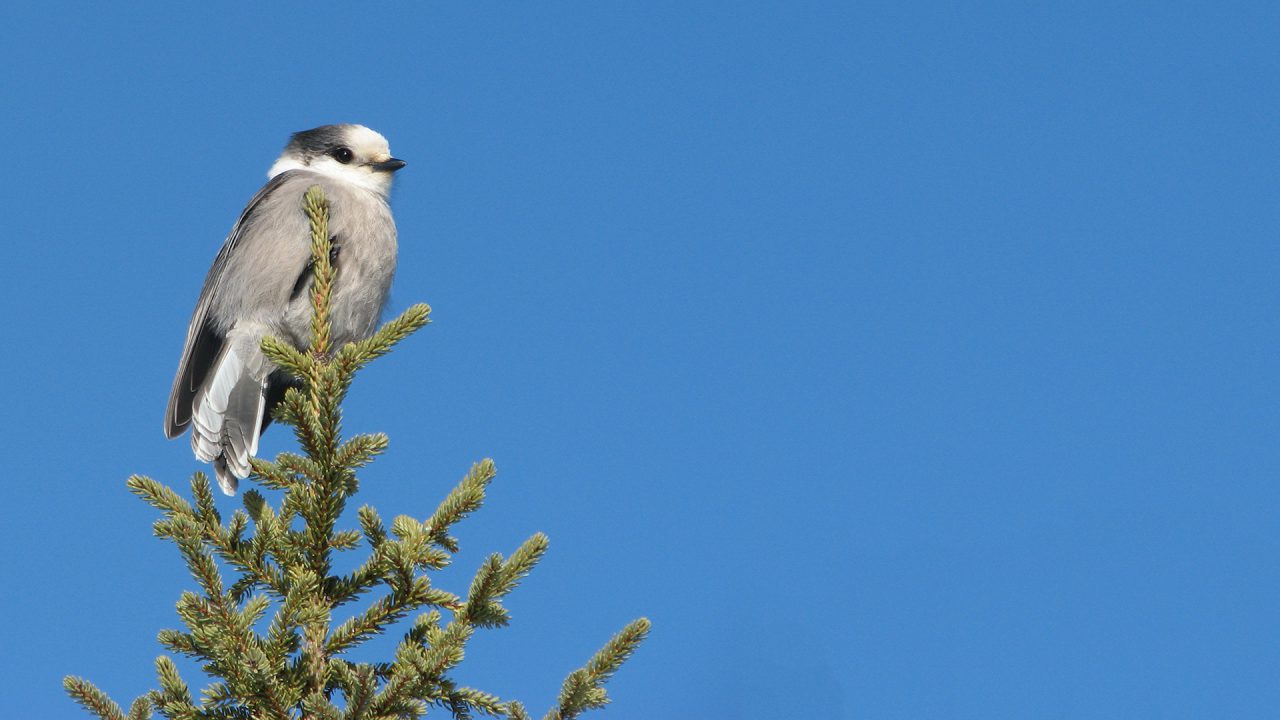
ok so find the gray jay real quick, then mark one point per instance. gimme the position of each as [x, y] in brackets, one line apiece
[259, 285]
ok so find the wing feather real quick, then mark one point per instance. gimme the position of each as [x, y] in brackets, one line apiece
[204, 343]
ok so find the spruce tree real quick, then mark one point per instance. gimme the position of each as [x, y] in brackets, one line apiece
[280, 558]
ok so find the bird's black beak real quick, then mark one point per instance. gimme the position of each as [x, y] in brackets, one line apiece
[391, 165]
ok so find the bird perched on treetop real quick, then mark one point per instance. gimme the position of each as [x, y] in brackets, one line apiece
[259, 285]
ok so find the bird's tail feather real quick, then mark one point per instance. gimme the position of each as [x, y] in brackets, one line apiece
[227, 417]
[226, 479]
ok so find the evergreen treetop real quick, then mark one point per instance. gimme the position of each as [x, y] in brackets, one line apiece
[281, 558]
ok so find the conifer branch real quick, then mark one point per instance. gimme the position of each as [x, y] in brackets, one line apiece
[158, 495]
[140, 709]
[356, 355]
[316, 206]
[93, 699]
[463, 500]
[289, 664]
[286, 356]
[584, 688]
[173, 699]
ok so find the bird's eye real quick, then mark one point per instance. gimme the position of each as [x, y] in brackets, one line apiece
[343, 155]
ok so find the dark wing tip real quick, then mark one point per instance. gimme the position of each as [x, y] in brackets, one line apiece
[201, 349]
[172, 428]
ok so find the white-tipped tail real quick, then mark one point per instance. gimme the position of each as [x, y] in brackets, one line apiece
[226, 417]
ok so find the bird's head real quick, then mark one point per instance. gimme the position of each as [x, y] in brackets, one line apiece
[352, 153]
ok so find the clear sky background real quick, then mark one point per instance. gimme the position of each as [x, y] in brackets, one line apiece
[898, 360]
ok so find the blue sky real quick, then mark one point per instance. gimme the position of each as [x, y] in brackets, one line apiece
[897, 360]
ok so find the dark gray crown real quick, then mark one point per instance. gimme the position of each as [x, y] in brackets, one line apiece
[318, 141]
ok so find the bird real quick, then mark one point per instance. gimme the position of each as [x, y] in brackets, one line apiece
[258, 286]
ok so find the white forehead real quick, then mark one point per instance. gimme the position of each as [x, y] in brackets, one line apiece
[368, 141]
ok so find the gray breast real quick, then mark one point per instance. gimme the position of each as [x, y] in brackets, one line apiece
[362, 228]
